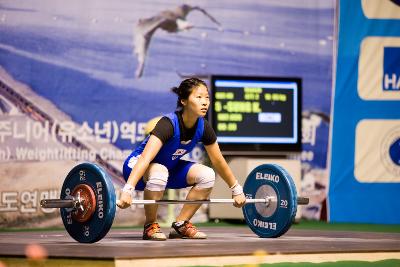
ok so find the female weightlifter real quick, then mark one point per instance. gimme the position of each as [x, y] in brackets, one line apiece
[156, 164]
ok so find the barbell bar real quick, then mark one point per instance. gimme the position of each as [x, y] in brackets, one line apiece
[88, 202]
[74, 204]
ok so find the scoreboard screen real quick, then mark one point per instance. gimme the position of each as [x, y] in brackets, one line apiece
[256, 115]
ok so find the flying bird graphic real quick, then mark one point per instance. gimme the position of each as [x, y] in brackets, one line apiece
[172, 21]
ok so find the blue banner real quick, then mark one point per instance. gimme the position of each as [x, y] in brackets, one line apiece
[365, 162]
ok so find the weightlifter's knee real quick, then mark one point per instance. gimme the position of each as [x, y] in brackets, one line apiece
[205, 178]
[157, 177]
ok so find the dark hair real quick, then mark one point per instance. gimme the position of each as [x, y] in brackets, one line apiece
[186, 88]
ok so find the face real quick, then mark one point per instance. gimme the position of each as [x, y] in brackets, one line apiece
[198, 101]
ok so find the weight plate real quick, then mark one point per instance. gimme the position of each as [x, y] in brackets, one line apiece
[96, 227]
[275, 219]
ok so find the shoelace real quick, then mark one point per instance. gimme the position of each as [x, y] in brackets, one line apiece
[154, 227]
[187, 226]
[190, 225]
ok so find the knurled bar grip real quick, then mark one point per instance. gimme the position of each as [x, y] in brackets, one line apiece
[70, 203]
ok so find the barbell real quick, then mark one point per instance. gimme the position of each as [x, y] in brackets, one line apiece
[88, 202]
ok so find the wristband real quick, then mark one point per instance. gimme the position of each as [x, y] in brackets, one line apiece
[128, 188]
[237, 189]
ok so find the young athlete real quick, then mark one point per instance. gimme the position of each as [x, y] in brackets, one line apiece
[156, 164]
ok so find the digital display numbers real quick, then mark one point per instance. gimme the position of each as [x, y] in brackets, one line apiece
[255, 111]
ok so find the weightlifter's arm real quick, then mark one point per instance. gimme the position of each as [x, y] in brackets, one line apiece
[223, 169]
[150, 151]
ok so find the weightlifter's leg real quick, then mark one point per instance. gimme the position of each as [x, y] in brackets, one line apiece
[150, 210]
[156, 179]
[203, 178]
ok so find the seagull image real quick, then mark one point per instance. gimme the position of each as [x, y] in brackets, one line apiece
[171, 21]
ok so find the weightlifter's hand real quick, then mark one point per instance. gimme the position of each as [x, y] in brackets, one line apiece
[240, 200]
[126, 197]
[237, 195]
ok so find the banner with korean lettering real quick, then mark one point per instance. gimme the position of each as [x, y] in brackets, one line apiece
[80, 80]
[365, 161]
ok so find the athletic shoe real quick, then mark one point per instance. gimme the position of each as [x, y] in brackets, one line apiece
[185, 229]
[152, 231]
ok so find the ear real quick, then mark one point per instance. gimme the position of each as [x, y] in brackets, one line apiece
[184, 102]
